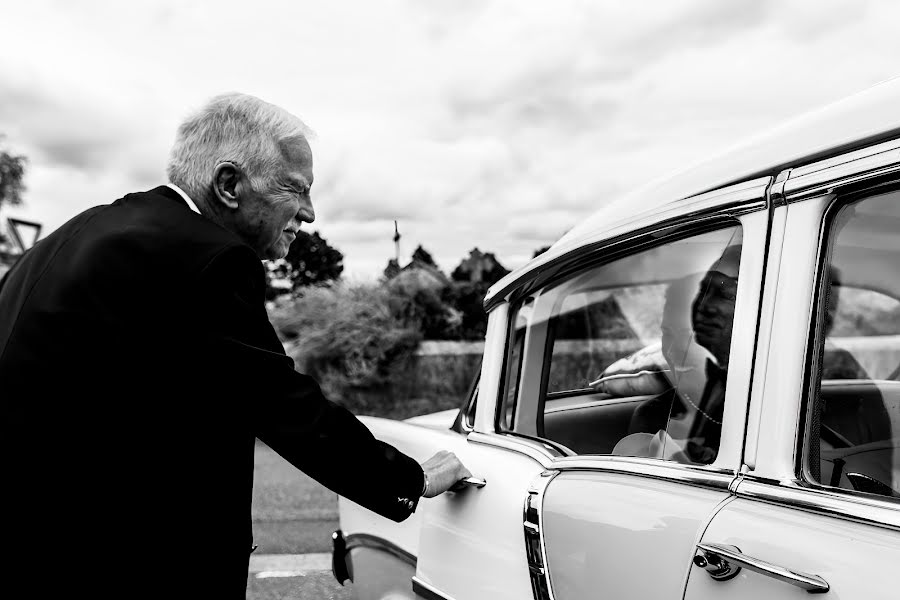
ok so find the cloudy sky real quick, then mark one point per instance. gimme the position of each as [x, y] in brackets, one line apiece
[489, 123]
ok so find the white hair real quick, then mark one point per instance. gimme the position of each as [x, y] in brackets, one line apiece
[236, 128]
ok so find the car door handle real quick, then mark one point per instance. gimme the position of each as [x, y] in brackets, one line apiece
[475, 482]
[724, 562]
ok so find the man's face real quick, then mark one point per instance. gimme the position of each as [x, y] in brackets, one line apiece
[713, 314]
[269, 221]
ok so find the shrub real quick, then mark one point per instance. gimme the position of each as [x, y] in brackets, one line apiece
[347, 337]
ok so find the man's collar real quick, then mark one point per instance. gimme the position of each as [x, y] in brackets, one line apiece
[184, 197]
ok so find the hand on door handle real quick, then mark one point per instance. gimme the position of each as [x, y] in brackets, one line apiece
[462, 484]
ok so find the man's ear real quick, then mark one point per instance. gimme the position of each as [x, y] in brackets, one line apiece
[225, 182]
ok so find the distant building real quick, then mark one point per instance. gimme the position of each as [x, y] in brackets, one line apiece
[480, 267]
[421, 272]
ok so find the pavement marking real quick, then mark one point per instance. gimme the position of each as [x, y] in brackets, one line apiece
[288, 565]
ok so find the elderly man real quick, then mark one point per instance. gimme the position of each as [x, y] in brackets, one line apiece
[138, 365]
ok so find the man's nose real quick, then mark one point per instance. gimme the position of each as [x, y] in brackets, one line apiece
[307, 213]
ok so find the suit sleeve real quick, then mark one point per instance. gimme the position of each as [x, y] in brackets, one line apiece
[287, 409]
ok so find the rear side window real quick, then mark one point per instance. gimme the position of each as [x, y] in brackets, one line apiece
[629, 357]
[854, 439]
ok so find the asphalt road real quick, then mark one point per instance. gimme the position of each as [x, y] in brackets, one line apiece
[290, 577]
[293, 518]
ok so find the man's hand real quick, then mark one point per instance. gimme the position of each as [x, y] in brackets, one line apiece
[442, 471]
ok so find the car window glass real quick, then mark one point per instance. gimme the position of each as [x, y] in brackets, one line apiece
[629, 357]
[855, 438]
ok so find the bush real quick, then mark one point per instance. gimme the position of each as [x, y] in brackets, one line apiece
[347, 337]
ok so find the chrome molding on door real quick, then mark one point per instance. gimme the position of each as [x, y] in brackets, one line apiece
[542, 453]
[824, 176]
[696, 475]
[842, 504]
[535, 550]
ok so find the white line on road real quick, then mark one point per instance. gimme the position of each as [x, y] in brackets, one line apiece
[288, 565]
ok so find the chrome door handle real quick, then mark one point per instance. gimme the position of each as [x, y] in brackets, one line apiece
[724, 562]
[475, 482]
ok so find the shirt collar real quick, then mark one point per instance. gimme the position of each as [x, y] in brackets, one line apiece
[185, 197]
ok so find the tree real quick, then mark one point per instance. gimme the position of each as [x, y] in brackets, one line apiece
[309, 261]
[12, 171]
[312, 260]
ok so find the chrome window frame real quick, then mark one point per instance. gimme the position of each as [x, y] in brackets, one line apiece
[728, 202]
[826, 185]
[734, 205]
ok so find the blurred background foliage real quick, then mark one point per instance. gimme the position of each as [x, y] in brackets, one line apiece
[361, 341]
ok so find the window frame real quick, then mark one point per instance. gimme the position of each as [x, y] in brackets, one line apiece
[815, 346]
[776, 422]
[659, 233]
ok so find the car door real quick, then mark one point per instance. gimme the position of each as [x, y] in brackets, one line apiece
[610, 413]
[817, 507]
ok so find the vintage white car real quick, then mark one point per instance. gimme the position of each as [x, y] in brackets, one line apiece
[693, 394]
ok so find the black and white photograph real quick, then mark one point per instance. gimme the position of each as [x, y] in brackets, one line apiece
[450, 300]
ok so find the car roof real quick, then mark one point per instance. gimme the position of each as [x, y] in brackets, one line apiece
[856, 121]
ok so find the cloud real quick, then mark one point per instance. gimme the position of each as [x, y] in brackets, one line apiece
[489, 123]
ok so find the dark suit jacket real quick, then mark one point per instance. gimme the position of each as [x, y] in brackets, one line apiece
[137, 367]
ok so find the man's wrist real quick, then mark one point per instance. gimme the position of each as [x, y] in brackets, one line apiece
[424, 483]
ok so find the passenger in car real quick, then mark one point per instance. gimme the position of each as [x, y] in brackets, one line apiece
[684, 423]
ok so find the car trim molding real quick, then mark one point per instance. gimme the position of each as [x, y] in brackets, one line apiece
[846, 504]
[542, 453]
[427, 591]
[729, 202]
[373, 542]
[535, 546]
[824, 176]
[696, 475]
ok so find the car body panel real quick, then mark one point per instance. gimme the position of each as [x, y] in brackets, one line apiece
[608, 531]
[857, 561]
[472, 543]
[383, 573]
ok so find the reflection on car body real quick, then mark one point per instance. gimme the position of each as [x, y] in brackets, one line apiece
[695, 393]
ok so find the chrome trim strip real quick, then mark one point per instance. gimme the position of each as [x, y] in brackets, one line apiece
[807, 581]
[541, 453]
[535, 545]
[696, 475]
[804, 182]
[834, 161]
[591, 403]
[733, 201]
[373, 542]
[427, 591]
[776, 192]
[845, 504]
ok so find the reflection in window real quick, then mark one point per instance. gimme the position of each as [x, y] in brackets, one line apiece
[630, 357]
[858, 403]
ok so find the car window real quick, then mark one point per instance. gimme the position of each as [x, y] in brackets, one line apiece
[629, 357]
[854, 440]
